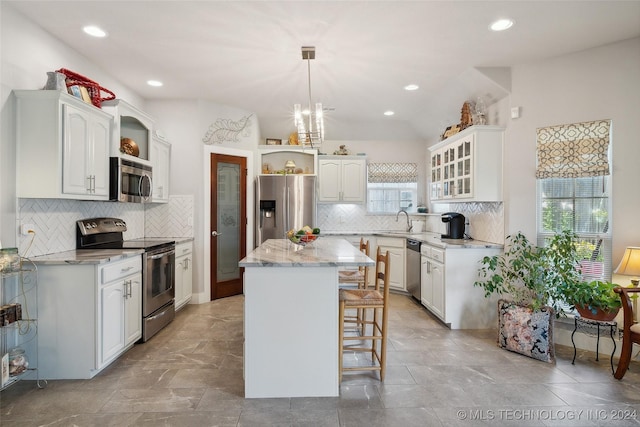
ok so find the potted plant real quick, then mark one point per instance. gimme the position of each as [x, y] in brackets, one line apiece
[593, 299]
[533, 279]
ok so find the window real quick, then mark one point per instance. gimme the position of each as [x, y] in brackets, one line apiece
[580, 205]
[392, 187]
[574, 188]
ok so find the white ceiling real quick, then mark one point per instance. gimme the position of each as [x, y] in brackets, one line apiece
[247, 54]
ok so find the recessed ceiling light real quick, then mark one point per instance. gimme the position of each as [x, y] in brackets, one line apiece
[154, 83]
[389, 113]
[411, 87]
[94, 31]
[501, 24]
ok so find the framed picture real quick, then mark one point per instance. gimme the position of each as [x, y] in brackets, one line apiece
[271, 141]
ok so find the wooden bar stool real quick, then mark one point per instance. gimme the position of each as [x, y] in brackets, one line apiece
[350, 279]
[356, 278]
[374, 304]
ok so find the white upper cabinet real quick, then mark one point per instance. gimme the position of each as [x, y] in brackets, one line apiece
[468, 166]
[161, 160]
[62, 146]
[342, 179]
[130, 122]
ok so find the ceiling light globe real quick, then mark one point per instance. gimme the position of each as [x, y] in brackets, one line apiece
[389, 113]
[94, 31]
[154, 83]
[411, 87]
[501, 24]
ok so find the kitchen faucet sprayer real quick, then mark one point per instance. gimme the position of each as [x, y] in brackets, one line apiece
[409, 226]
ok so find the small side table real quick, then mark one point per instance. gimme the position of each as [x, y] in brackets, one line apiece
[593, 327]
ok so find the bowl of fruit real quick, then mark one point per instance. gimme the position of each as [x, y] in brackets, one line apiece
[303, 236]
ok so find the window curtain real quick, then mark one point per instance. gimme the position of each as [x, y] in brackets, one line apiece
[573, 150]
[392, 172]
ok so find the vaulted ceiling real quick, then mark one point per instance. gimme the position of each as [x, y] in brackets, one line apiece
[247, 53]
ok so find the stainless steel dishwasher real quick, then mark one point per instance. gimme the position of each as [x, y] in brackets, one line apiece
[413, 267]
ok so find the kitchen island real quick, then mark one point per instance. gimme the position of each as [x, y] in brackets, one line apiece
[291, 316]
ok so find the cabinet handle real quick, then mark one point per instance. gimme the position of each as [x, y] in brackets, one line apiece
[186, 263]
[89, 184]
[124, 270]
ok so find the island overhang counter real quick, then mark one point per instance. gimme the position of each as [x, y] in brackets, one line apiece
[291, 316]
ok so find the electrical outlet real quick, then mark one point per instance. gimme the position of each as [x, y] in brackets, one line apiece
[24, 229]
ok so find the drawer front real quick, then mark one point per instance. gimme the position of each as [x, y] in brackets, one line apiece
[184, 249]
[437, 254]
[392, 242]
[425, 250]
[119, 269]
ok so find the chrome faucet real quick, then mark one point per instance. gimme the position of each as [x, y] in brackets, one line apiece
[409, 225]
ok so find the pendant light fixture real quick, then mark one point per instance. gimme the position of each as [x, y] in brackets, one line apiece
[312, 132]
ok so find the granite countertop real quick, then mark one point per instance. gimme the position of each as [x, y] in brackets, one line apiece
[427, 237]
[324, 252]
[86, 256]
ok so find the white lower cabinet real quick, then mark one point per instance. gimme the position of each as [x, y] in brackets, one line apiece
[447, 277]
[432, 282]
[396, 248]
[184, 274]
[91, 314]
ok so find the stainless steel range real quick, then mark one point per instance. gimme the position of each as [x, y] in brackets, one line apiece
[158, 261]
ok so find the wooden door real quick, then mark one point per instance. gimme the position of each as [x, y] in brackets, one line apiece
[228, 187]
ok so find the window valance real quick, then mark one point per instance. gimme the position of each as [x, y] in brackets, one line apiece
[573, 150]
[392, 172]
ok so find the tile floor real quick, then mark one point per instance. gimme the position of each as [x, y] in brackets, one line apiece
[191, 375]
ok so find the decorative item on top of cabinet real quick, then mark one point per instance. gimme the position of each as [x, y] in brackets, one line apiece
[184, 273]
[342, 179]
[468, 167]
[18, 325]
[62, 146]
[274, 157]
[466, 119]
[161, 162]
[130, 122]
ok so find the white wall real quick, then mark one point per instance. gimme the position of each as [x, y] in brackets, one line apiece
[27, 54]
[600, 83]
[185, 123]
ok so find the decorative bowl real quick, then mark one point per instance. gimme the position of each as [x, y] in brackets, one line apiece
[303, 239]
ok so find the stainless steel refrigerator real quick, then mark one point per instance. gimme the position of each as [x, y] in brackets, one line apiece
[284, 202]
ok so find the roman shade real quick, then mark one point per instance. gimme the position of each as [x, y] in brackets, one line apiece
[573, 150]
[392, 172]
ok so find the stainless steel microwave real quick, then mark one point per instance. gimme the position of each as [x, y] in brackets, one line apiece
[129, 181]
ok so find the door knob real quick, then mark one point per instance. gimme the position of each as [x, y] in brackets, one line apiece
[216, 234]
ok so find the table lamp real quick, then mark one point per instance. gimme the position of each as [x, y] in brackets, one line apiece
[630, 266]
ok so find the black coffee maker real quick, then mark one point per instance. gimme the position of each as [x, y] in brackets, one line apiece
[455, 225]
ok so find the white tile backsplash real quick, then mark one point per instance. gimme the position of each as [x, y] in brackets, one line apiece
[486, 220]
[173, 219]
[54, 221]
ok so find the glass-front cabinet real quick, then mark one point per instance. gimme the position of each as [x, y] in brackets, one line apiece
[467, 166]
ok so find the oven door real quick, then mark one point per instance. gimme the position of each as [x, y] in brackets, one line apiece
[159, 279]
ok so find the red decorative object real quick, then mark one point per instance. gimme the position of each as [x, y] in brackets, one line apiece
[94, 89]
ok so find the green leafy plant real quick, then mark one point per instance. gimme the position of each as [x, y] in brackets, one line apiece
[592, 295]
[530, 275]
